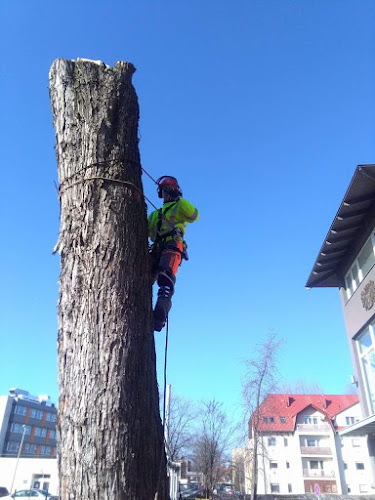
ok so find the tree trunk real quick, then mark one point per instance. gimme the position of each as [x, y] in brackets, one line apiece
[109, 427]
[254, 482]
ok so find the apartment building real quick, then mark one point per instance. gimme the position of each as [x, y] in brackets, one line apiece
[28, 442]
[346, 260]
[300, 450]
[30, 420]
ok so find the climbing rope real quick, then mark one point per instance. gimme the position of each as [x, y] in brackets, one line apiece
[110, 179]
[164, 408]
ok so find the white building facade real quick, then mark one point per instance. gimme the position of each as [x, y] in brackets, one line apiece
[346, 261]
[40, 473]
[308, 455]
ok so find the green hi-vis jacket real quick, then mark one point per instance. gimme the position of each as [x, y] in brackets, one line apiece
[178, 213]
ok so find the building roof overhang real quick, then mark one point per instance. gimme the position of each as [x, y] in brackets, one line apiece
[364, 427]
[346, 227]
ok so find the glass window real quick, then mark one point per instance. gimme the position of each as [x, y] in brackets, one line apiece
[290, 488]
[349, 420]
[356, 442]
[30, 448]
[365, 340]
[311, 442]
[273, 465]
[287, 465]
[19, 428]
[13, 446]
[348, 286]
[20, 410]
[271, 441]
[355, 276]
[52, 434]
[366, 353]
[366, 258]
[282, 420]
[361, 266]
[368, 363]
[314, 464]
[265, 420]
[36, 414]
[53, 417]
[310, 420]
[285, 441]
[359, 465]
[345, 465]
[275, 488]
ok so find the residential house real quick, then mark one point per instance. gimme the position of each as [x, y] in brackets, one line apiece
[300, 450]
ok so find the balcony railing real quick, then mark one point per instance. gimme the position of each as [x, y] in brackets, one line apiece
[318, 473]
[315, 450]
[316, 428]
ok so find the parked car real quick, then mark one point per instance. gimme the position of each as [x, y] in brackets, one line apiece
[189, 490]
[33, 493]
[3, 491]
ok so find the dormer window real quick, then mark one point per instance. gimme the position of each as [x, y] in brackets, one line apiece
[361, 266]
[268, 420]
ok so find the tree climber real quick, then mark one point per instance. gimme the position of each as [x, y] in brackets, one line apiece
[166, 228]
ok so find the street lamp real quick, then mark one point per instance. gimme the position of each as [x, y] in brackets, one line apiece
[18, 456]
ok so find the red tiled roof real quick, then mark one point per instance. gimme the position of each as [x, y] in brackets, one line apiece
[290, 405]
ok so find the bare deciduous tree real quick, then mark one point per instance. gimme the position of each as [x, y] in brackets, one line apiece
[109, 427]
[260, 380]
[211, 444]
[181, 416]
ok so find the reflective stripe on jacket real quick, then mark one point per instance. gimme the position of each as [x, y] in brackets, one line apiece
[178, 214]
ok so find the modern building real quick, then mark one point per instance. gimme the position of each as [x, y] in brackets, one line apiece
[30, 420]
[28, 442]
[300, 450]
[346, 261]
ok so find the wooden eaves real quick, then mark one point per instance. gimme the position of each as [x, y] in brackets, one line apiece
[346, 228]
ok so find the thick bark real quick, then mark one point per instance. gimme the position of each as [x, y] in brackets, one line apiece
[110, 433]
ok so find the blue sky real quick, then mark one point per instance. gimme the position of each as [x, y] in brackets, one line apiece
[262, 110]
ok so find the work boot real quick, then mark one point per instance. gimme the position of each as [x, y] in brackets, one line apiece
[162, 307]
[159, 322]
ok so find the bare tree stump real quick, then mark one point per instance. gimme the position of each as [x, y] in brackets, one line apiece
[109, 427]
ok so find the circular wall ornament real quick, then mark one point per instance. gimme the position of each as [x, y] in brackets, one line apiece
[368, 295]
